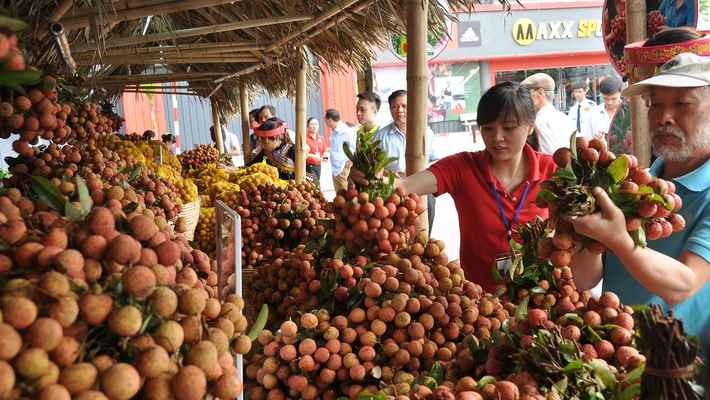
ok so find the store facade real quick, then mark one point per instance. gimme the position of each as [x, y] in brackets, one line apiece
[563, 40]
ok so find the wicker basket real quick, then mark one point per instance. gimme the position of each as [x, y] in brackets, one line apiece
[191, 213]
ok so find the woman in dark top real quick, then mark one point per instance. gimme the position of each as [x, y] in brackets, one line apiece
[277, 149]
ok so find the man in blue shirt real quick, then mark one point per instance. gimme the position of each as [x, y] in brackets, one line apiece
[673, 271]
[339, 135]
[394, 142]
[678, 13]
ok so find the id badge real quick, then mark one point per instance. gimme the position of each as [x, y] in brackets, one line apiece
[503, 262]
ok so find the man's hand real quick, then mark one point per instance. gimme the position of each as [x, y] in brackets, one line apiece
[604, 226]
[599, 135]
[358, 177]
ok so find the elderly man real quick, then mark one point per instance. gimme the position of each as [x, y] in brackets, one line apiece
[672, 271]
[552, 126]
[393, 139]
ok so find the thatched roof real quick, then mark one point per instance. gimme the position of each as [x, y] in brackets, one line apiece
[211, 44]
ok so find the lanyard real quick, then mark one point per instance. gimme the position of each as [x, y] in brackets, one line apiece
[502, 213]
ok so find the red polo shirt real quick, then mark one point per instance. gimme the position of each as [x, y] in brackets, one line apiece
[317, 147]
[466, 177]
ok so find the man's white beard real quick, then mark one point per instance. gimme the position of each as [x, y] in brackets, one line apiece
[700, 139]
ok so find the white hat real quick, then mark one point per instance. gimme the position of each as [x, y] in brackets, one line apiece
[539, 80]
[684, 70]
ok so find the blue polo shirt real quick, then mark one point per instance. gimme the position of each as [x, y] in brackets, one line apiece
[694, 190]
[682, 16]
[394, 143]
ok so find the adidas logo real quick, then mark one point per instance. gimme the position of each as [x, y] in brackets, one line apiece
[469, 36]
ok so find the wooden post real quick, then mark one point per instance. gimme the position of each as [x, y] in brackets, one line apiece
[217, 126]
[301, 145]
[246, 128]
[635, 31]
[364, 78]
[417, 82]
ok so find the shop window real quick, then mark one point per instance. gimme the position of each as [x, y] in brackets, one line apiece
[564, 77]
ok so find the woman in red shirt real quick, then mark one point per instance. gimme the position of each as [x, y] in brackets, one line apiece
[494, 189]
[316, 147]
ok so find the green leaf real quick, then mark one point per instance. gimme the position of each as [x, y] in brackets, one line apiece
[348, 153]
[594, 334]
[44, 85]
[17, 88]
[326, 223]
[635, 373]
[84, 196]
[259, 324]
[484, 381]
[339, 253]
[471, 343]
[522, 311]
[538, 290]
[604, 374]
[437, 373]
[631, 392]
[574, 366]
[4, 247]
[561, 385]
[639, 236]
[14, 24]
[8, 77]
[136, 172]
[193, 245]
[565, 173]
[48, 193]
[618, 169]
[130, 207]
[311, 246]
[547, 195]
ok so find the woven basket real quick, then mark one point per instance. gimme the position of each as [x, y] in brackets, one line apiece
[191, 213]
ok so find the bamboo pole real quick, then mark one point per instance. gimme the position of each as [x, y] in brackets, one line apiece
[211, 53]
[126, 10]
[167, 60]
[246, 128]
[54, 16]
[156, 78]
[162, 92]
[217, 126]
[183, 33]
[301, 145]
[417, 82]
[340, 6]
[219, 47]
[635, 31]
[244, 71]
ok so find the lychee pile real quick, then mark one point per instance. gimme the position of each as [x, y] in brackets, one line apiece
[650, 204]
[109, 307]
[198, 157]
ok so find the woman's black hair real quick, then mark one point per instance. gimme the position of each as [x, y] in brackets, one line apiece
[673, 35]
[309, 120]
[503, 100]
[169, 138]
[268, 125]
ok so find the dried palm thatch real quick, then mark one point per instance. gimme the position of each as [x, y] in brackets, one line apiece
[211, 44]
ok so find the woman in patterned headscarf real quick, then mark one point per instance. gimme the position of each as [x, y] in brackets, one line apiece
[277, 149]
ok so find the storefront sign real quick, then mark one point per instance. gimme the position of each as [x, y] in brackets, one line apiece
[525, 31]
[469, 34]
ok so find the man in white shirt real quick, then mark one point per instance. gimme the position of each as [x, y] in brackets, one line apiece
[553, 127]
[579, 111]
[601, 116]
[339, 134]
[231, 145]
[393, 140]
